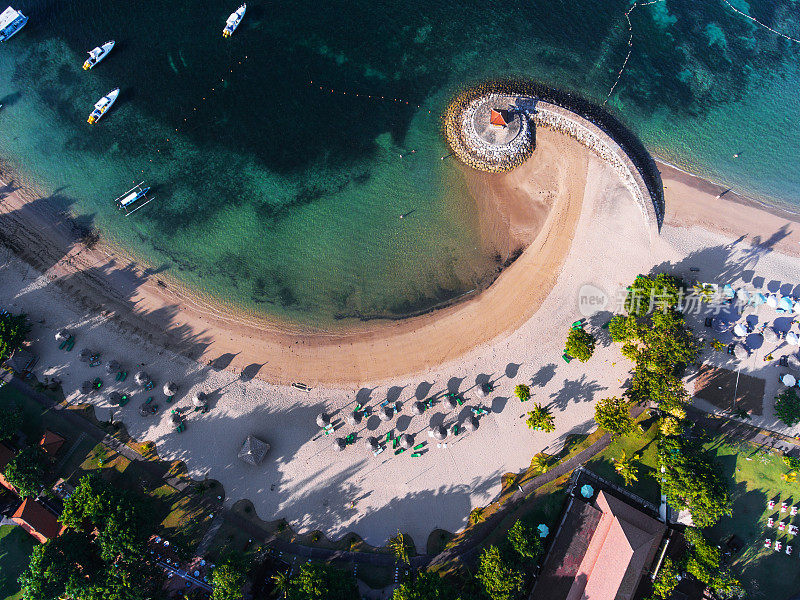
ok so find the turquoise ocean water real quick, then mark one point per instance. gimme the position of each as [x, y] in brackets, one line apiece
[283, 198]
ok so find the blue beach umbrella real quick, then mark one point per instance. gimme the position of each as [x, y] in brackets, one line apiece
[727, 291]
[543, 530]
[587, 491]
[758, 299]
[785, 303]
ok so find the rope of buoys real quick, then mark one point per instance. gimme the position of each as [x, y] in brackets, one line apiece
[754, 20]
[328, 90]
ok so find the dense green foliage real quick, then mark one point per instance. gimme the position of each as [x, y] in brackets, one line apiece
[228, 579]
[612, 415]
[498, 576]
[13, 329]
[625, 466]
[690, 479]
[322, 582]
[666, 581]
[523, 392]
[100, 556]
[401, 547]
[793, 462]
[26, 471]
[10, 420]
[426, 586]
[787, 406]
[580, 344]
[541, 419]
[704, 563]
[524, 539]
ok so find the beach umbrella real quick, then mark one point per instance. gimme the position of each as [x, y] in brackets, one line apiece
[794, 361]
[85, 355]
[142, 378]
[769, 335]
[743, 295]
[175, 418]
[61, 335]
[785, 303]
[740, 352]
[544, 530]
[719, 325]
[758, 299]
[113, 366]
[385, 413]
[788, 380]
[417, 408]
[439, 432]
[772, 301]
[87, 387]
[115, 398]
[353, 418]
[253, 450]
[339, 445]
[406, 441]
[792, 338]
[200, 399]
[587, 491]
[145, 409]
[740, 330]
[323, 420]
[372, 443]
[796, 307]
[170, 388]
[471, 424]
[450, 402]
[727, 291]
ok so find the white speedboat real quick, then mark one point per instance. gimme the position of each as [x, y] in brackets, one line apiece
[233, 21]
[102, 105]
[97, 54]
[11, 21]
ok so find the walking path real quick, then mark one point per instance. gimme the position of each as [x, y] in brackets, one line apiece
[208, 538]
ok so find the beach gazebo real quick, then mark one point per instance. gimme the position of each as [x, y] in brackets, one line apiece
[87, 387]
[406, 441]
[471, 424]
[62, 334]
[417, 408]
[85, 355]
[450, 402]
[113, 366]
[372, 443]
[200, 400]
[253, 450]
[141, 378]
[438, 432]
[323, 420]
[114, 398]
[500, 117]
[385, 413]
[339, 444]
[740, 352]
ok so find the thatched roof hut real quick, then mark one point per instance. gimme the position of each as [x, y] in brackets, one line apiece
[170, 388]
[61, 335]
[113, 366]
[253, 450]
[323, 419]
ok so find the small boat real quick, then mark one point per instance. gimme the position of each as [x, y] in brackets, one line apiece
[97, 54]
[134, 199]
[233, 21]
[102, 105]
[11, 21]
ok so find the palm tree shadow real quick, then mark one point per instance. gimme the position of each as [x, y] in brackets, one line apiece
[579, 390]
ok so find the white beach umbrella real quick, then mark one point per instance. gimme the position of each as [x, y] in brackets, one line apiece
[785, 303]
[740, 352]
[406, 441]
[471, 424]
[61, 335]
[792, 338]
[769, 335]
[113, 366]
[353, 418]
[450, 402]
[323, 420]
[758, 299]
[727, 291]
[788, 380]
[200, 399]
[170, 388]
[417, 408]
[772, 301]
[372, 443]
[385, 413]
[796, 307]
[142, 378]
[740, 330]
[743, 295]
[439, 432]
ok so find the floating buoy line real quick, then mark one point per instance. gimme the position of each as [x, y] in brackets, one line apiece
[329, 90]
[767, 27]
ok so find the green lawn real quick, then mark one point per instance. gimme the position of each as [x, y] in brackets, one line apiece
[755, 477]
[15, 550]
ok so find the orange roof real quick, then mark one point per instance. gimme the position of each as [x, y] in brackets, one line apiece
[496, 118]
[51, 442]
[37, 520]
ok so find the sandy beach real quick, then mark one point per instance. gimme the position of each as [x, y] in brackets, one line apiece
[581, 226]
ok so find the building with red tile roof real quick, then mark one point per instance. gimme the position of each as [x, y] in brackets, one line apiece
[6, 454]
[37, 520]
[51, 442]
[600, 552]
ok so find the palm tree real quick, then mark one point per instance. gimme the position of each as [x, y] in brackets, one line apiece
[477, 516]
[625, 467]
[523, 392]
[281, 582]
[539, 463]
[399, 548]
[705, 291]
[541, 419]
[790, 477]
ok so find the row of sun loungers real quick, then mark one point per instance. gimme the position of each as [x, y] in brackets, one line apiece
[778, 546]
[784, 507]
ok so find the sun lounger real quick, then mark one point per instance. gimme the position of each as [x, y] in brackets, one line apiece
[778, 546]
[149, 386]
[395, 441]
[416, 455]
[567, 358]
[63, 345]
[456, 430]
[789, 550]
[781, 526]
[124, 400]
[767, 543]
[399, 451]
[770, 504]
[378, 451]
[170, 399]
[70, 344]
[418, 446]
[793, 511]
[95, 363]
[390, 435]
[122, 376]
[784, 506]
[149, 400]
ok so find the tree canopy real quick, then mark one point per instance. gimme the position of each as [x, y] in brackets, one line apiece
[498, 576]
[580, 344]
[13, 329]
[523, 392]
[704, 563]
[322, 582]
[26, 471]
[787, 406]
[228, 578]
[612, 414]
[10, 420]
[541, 419]
[524, 539]
[667, 579]
[426, 586]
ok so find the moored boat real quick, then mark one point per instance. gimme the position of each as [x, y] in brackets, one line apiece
[233, 21]
[102, 105]
[97, 54]
[11, 21]
[134, 199]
